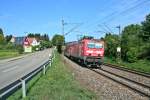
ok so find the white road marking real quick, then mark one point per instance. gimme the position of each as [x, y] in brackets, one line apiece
[12, 68]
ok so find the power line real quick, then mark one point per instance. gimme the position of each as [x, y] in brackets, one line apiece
[126, 11]
[72, 29]
[113, 15]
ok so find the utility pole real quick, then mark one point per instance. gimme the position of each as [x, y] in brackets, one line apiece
[63, 26]
[119, 47]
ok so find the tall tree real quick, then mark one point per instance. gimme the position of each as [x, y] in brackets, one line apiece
[146, 28]
[131, 42]
[8, 38]
[30, 35]
[58, 40]
[112, 42]
[2, 39]
[146, 38]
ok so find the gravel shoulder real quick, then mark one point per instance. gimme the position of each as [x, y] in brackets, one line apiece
[105, 88]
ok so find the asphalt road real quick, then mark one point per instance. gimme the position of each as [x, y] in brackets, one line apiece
[12, 70]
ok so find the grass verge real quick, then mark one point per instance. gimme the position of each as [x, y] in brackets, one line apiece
[4, 54]
[57, 84]
[141, 65]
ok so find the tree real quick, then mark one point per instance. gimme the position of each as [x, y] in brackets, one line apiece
[145, 36]
[46, 44]
[130, 42]
[146, 28]
[112, 42]
[58, 40]
[30, 35]
[2, 39]
[8, 38]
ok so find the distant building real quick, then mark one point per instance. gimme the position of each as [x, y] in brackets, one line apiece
[29, 43]
[17, 40]
[33, 41]
[26, 45]
[26, 42]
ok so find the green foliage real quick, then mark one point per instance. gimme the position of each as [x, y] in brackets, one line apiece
[2, 39]
[146, 29]
[38, 36]
[4, 54]
[132, 55]
[10, 46]
[112, 42]
[135, 42]
[58, 40]
[1, 31]
[20, 49]
[140, 65]
[59, 49]
[36, 48]
[57, 84]
[46, 44]
[130, 42]
[8, 38]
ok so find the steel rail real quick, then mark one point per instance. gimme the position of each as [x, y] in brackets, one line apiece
[115, 80]
[128, 70]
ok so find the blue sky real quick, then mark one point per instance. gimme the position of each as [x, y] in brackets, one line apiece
[19, 17]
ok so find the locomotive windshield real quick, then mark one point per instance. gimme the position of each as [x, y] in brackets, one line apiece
[95, 45]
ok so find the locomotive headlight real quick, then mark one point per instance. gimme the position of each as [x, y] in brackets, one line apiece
[99, 52]
[89, 51]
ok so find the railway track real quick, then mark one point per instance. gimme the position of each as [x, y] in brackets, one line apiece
[141, 78]
[132, 83]
[128, 70]
[136, 86]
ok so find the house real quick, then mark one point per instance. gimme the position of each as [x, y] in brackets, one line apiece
[17, 40]
[29, 43]
[26, 42]
[33, 41]
[26, 45]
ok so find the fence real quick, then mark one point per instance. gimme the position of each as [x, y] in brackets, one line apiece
[11, 88]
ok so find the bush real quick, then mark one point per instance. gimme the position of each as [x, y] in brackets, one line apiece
[10, 46]
[36, 48]
[20, 49]
[132, 55]
[59, 49]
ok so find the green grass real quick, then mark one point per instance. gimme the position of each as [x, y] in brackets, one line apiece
[140, 65]
[8, 54]
[57, 84]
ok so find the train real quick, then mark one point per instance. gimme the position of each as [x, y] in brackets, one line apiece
[87, 51]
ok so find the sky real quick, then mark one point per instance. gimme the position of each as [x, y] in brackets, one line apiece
[89, 17]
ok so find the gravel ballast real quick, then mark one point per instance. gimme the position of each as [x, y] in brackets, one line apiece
[105, 88]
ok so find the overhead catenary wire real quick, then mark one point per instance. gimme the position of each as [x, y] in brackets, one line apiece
[114, 15]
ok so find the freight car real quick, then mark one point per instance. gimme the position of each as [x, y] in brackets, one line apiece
[88, 51]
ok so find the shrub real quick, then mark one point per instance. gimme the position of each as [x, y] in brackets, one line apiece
[20, 49]
[132, 55]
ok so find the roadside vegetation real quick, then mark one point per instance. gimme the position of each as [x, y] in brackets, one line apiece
[57, 84]
[141, 65]
[4, 54]
[134, 41]
[9, 49]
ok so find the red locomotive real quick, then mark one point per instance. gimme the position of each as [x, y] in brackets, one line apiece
[88, 51]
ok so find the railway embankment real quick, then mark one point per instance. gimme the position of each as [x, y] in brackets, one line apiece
[57, 84]
[104, 87]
